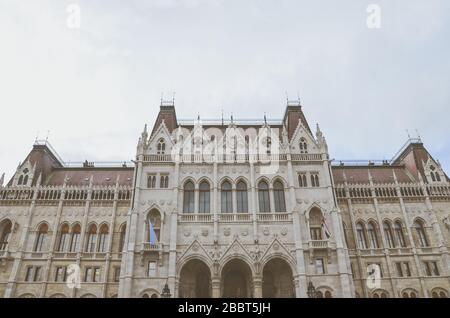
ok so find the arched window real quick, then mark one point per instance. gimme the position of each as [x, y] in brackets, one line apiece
[20, 181]
[263, 197]
[438, 177]
[161, 147]
[319, 294]
[41, 237]
[328, 294]
[25, 180]
[204, 197]
[388, 234]
[164, 182]
[303, 146]
[242, 197]
[268, 145]
[5, 234]
[302, 181]
[371, 229]
[278, 194]
[188, 197]
[76, 236]
[315, 224]
[103, 238]
[92, 239]
[226, 198]
[123, 230]
[64, 238]
[155, 218]
[421, 234]
[151, 181]
[361, 236]
[398, 228]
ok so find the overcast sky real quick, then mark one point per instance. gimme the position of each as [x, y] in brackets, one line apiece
[94, 87]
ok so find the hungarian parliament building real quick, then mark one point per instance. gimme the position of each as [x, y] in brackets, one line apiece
[226, 208]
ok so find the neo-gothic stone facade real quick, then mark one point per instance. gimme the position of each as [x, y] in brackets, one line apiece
[233, 216]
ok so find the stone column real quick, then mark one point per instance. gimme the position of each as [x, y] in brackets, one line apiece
[215, 286]
[257, 287]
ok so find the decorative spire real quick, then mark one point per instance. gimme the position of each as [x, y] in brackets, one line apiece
[265, 119]
[232, 118]
[2, 179]
[39, 180]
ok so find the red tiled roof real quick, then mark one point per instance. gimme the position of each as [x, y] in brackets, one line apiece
[81, 176]
[380, 174]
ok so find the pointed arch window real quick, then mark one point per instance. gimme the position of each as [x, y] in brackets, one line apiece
[226, 199]
[41, 237]
[5, 234]
[421, 234]
[188, 197]
[204, 197]
[242, 197]
[315, 224]
[302, 181]
[154, 217]
[263, 197]
[164, 182]
[361, 236]
[20, 181]
[64, 238]
[371, 229]
[278, 193]
[75, 240]
[388, 234]
[161, 148]
[151, 181]
[103, 238]
[92, 239]
[398, 228]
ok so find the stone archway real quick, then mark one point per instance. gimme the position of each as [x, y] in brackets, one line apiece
[278, 281]
[195, 280]
[236, 280]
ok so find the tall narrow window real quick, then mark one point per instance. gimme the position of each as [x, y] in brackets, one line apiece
[161, 147]
[278, 193]
[315, 180]
[41, 237]
[64, 237]
[226, 198]
[92, 239]
[164, 182]
[188, 197]
[421, 235]
[75, 241]
[5, 234]
[371, 229]
[302, 182]
[103, 239]
[242, 197]
[151, 181]
[263, 197]
[204, 198]
[154, 217]
[399, 234]
[123, 230]
[315, 224]
[388, 234]
[361, 236]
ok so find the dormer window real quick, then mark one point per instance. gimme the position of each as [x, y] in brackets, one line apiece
[303, 146]
[435, 177]
[161, 147]
[23, 179]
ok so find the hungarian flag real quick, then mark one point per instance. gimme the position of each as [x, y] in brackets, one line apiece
[325, 228]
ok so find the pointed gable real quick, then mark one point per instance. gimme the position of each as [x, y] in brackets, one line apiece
[292, 117]
[167, 115]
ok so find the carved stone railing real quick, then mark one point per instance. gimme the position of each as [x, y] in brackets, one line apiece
[228, 158]
[73, 194]
[147, 247]
[389, 191]
[278, 216]
[319, 244]
[235, 217]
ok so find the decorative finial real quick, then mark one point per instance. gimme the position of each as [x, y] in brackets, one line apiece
[2, 179]
[222, 116]
[231, 118]
[418, 135]
[409, 136]
[265, 118]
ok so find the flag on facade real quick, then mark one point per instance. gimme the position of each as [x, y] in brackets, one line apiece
[152, 233]
[325, 228]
